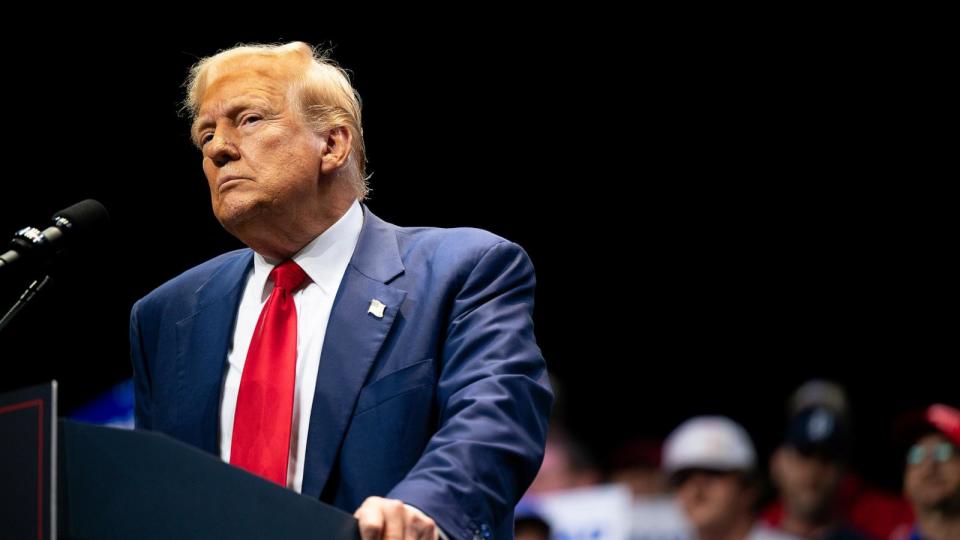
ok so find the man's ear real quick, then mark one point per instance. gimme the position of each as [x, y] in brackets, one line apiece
[336, 149]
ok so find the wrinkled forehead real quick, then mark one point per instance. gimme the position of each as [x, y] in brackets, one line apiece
[267, 77]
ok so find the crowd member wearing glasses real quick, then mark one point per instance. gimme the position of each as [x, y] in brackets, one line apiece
[931, 479]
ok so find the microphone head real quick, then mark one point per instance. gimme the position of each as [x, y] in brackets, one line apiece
[32, 249]
[87, 216]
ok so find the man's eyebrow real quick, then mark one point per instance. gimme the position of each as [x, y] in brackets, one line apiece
[198, 125]
[233, 107]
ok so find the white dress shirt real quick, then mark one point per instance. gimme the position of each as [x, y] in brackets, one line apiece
[324, 260]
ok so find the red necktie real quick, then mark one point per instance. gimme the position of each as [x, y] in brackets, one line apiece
[261, 424]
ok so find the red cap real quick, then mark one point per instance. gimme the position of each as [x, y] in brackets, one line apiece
[945, 419]
[937, 418]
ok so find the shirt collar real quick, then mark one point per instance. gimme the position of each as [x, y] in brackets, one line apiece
[325, 258]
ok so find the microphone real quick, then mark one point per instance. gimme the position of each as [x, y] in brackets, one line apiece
[32, 248]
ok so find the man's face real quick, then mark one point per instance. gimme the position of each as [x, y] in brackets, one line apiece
[932, 477]
[807, 484]
[261, 161]
[712, 499]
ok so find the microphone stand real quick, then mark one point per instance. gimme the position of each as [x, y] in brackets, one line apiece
[25, 299]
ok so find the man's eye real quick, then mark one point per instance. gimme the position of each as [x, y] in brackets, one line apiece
[251, 119]
[205, 138]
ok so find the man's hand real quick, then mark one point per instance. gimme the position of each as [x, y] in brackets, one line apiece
[390, 519]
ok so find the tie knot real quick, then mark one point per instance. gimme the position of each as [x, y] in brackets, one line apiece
[288, 275]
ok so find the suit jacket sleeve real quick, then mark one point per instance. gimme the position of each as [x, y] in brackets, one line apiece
[494, 401]
[141, 377]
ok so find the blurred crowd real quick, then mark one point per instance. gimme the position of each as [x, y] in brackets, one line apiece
[706, 481]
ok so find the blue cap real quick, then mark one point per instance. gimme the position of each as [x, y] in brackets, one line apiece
[819, 431]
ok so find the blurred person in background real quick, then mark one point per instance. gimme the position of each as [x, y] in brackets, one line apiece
[819, 496]
[713, 465]
[529, 521]
[566, 465]
[655, 514]
[808, 469]
[931, 479]
[636, 465]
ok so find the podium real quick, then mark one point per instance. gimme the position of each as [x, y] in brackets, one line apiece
[121, 484]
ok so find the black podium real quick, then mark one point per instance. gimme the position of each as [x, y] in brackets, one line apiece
[123, 484]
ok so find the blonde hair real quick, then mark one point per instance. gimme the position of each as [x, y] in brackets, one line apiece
[321, 93]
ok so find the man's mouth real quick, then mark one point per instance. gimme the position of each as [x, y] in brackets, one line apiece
[224, 182]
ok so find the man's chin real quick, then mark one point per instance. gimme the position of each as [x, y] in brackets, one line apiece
[932, 498]
[235, 213]
[812, 509]
[705, 518]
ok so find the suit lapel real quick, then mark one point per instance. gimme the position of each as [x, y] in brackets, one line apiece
[351, 344]
[203, 339]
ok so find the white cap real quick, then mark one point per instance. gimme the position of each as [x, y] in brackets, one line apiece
[709, 442]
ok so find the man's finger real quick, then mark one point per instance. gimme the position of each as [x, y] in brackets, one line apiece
[370, 520]
[419, 526]
[394, 519]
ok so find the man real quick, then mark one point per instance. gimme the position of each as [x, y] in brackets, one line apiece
[808, 470]
[820, 497]
[712, 463]
[388, 371]
[931, 480]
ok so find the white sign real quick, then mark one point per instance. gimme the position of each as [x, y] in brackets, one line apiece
[594, 513]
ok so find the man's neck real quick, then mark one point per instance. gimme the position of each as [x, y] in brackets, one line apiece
[278, 243]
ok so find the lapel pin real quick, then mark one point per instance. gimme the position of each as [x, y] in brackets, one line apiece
[376, 307]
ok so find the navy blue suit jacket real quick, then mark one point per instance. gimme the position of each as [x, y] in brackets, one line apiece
[442, 403]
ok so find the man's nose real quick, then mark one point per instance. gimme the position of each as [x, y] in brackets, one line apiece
[222, 150]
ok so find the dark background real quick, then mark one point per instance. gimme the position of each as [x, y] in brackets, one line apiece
[714, 217]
